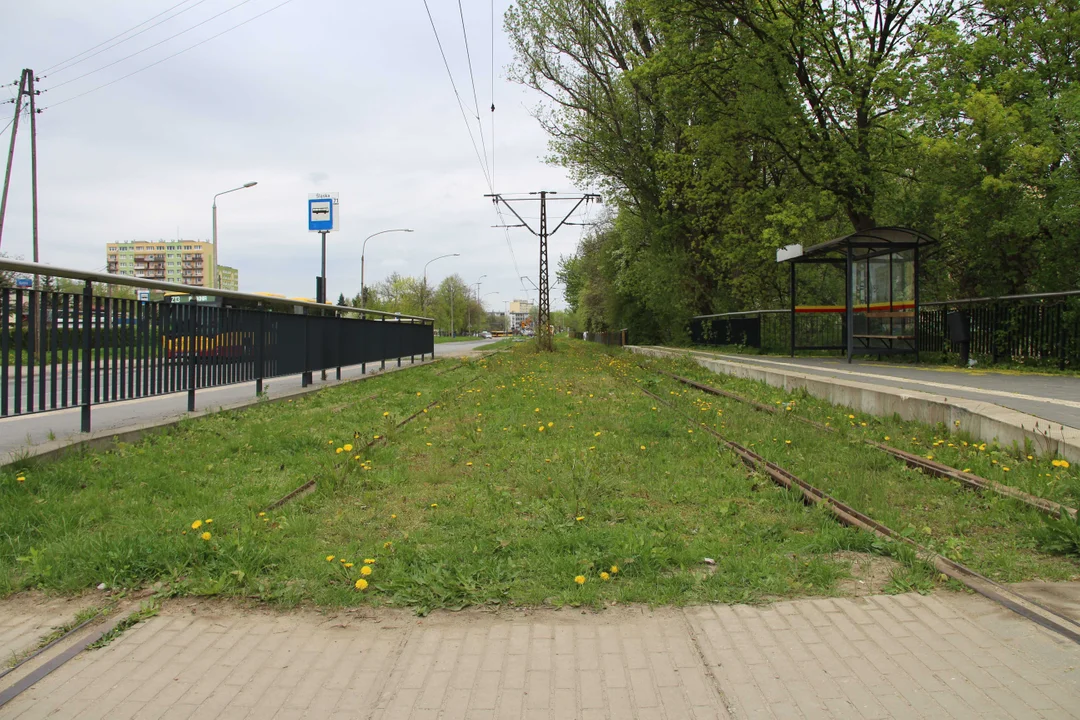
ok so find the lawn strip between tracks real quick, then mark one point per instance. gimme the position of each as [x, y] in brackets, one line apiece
[917, 462]
[1007, 597]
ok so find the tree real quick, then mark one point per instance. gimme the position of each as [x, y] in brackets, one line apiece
[341, 300]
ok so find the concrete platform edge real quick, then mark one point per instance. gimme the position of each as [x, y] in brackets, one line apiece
[983, 420]
[104, 440]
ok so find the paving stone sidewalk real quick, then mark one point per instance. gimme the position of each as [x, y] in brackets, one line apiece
[906, 656]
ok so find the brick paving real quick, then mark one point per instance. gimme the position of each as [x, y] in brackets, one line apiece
[24, 623]
[909, 656]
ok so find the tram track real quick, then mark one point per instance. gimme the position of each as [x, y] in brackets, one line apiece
[1003, 595]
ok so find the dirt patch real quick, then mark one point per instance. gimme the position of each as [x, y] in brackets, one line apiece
[869, 573]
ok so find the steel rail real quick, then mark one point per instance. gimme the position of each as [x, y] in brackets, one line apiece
[926, 465]
[1007, 597]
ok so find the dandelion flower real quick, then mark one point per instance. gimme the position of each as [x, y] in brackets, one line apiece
[340, 450]
[348, 565]
[386, 414]
[262, 514]
[1005, 469]
[1030, 457]
[579, 518]
[196, 525]
[540, 429]
[329, 558]
[966, 470]
[787, 442]
[20, 479]
[387, 545]
[596, 434]
[205, 536]
[551, 424]
[361, 584]
[536, 410]
[604, 576]
[348, 448]
[428, 444]
[642, 447]
[886, 438]
[393, 517]
[580, 579]
[434, 505]
[468, 464]
[369, 561]
[365, 570]
[417, 394]
[375, 437]
[614, 569]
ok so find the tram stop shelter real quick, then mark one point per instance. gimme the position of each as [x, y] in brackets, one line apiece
[881, 304]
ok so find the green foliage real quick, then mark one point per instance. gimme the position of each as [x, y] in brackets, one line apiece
[720, 130]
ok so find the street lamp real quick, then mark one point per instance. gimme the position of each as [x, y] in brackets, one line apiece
[363, 251]
[423, 290]
[477, 283]
[217, 275]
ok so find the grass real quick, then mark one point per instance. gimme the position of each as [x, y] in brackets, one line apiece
[532, 470]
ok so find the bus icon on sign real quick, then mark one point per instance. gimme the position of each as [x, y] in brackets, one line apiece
[321, 214]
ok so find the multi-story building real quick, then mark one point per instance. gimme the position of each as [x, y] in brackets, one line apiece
[520, 312]
[229, 276]
[188, 262]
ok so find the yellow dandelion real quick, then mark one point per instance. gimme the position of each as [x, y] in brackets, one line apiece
[205, 536]
[604, 576]
[787, 442]
[592, 447]
[1004, 468]
[387, 545]
[614, 569]
[468, 464]
[262, 514]
[434, 505]
[580, 579]
[196, 525]
[417, 394]
[20, 479]
[536, 410]
[393, 517]
[340, 450]
[551, 424]
[375, 437]
[365, 570]
[348, 448]
[579, 518]
[966, 470]
[348, 565]
[540, 429]
[851, 417]
[209, 520]
[329, 558]
[386, 414]
[369, 561]
[886, 438]
[642, 447]
[1029, 457]
[361, 584]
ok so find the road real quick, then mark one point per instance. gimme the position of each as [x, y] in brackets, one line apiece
[22, 432]
[1053, 397]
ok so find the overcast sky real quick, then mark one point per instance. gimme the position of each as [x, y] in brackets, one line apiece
[315, 96]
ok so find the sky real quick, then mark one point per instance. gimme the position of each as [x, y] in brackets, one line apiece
[314, 96]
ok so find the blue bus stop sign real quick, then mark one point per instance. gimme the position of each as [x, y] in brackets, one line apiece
[320, 214]
[24, 283]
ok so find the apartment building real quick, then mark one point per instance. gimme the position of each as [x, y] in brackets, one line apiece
[520, 312]
[188, 262]
[229, 276]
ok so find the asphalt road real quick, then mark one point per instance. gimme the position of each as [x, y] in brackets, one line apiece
[24, 431]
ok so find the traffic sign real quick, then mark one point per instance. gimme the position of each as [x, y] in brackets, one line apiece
[144, 296]
[24, 283]
[323, 215]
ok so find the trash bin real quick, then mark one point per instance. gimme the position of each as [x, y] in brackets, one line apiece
[959, 325]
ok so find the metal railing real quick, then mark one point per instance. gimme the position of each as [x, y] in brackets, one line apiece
[63, 349]
[1040, 328]
[614, 337]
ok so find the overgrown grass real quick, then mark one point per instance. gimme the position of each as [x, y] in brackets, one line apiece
[532, 470]
[995, 535]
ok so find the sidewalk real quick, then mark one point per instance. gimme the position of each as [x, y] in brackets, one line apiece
[907, 656]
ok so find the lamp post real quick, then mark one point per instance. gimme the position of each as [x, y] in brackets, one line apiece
[363, 251]
[477, 283]
[217, 275]
[423, 290]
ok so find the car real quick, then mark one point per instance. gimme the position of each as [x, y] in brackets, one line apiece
[485, 334]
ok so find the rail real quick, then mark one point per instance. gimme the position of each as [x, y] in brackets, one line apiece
[63, 350]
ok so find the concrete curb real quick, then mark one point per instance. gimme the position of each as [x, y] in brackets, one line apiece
[104, 440]
[983, 420]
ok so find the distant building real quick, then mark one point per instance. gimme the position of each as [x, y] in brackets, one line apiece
[230, 277]
[520, 312]
[187, 262]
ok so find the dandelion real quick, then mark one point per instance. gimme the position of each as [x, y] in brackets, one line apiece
[387, 545]
[540, 429]
[329, 558]
[196, 525]
[386, 414]
[604, 576]
[348, 565]
[580, 579]
[596, 434]
[375, 437]
[787, 442]
[348, 448]
[886, 438]
[642, 447]
[536, 410]
[614, 569]
[966, 470]
[1030, 457]
[339, 450]
[205, 536]
[551, 424]
[417, 394]
[20, 479]
[1004, 468]
[434, 505]
[393, 517]
[361, 584]
[468, 464]
[369, 561]
[579, 518]
[262, 514]
[366, 570]
[209, 520]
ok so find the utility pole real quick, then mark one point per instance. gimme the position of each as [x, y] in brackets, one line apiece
[543, 320]
[23, 89]
[451, 309]
[33, 167]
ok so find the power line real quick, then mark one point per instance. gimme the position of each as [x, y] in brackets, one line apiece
[150, 47]
[64, 62]
[169, 57]
[457, 95]
[67, 66]
[472, 79]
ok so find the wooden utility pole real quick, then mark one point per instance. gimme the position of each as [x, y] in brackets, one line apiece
[11, 148]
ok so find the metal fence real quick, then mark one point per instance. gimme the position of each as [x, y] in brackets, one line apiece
[62, 350]
[1040, 329]
[614, 337]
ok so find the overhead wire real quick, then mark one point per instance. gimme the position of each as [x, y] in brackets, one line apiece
[170, 57]
[476, 99]
[61, 67]
[151, 47]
